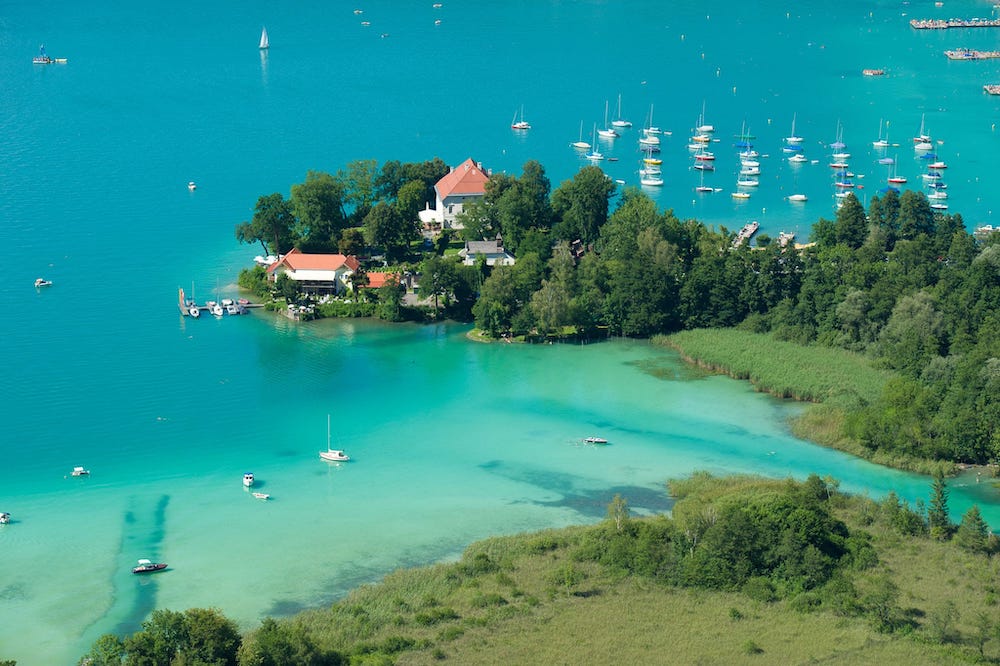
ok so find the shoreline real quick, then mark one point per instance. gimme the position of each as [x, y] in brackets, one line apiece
[821, 422]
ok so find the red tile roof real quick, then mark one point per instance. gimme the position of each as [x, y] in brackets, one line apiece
[465, 179]
[376, 280]
[300, 261]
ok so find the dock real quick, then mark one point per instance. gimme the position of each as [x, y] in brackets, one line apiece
[971, 54]
[944, 24]
[748, 230]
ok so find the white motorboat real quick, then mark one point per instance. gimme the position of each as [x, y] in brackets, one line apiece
[797, 197]
[740, 195]
[4, 518]
[80, 471]
[262, 496]
[194, 311]
[332, 455]
[595, 440]
[798, 159]
[42, 282]
[191, 185]
[248, 479]
[148, 566]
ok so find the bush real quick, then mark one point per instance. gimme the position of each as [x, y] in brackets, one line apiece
[760, 588]
[751, 648]
[487, 600]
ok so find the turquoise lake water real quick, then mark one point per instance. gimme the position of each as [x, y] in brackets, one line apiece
[451, 441]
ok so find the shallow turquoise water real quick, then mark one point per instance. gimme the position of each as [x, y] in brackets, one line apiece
[452, 441]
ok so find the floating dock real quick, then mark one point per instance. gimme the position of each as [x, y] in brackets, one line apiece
[944, 24]
[971, 54]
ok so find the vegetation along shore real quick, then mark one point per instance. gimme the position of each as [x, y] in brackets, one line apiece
[741, 571]
[897, 303]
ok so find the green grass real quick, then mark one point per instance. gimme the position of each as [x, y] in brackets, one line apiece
[506, 602]
[841, 380]
[785, 369]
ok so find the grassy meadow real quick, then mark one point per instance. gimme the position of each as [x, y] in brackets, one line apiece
[540, 599]
[835, 380]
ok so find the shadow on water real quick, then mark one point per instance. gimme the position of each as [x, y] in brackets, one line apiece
[145, 529]
[589, 502]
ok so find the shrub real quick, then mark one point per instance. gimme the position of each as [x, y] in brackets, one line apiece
[487, 600]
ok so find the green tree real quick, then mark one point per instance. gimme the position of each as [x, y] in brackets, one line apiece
[851, 225]
[271, 225]
[359, 179]
[212, 638]
[390, 301]
[581, 205]
[162, 638]
[618, 512]
[286, 288]
[938, 521]
[912, 336]
[318, 207]
[973, 533]
[915, 215]
[352, 242]
[409, 200]
[108, 650]
[384, 227]
[283, 644]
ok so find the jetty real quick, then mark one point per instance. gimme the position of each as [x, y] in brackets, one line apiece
[748, 230]
[971, 54]
[944, 24]
[992, 88]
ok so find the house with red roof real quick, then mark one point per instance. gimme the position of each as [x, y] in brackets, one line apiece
[463, 184]
[316, 273]
[378, 280]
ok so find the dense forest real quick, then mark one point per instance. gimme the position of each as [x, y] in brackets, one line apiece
[750, 552]
[909, 288]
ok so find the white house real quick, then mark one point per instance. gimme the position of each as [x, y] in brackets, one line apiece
[463, 184]
[316, 273]
[491, 249]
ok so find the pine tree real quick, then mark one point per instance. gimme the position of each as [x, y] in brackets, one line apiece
[937, 513]
[973, 534]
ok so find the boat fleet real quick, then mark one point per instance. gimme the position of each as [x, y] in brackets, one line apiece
[219, 309]
[703, 158]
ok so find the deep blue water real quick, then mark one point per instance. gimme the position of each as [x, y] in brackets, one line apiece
[452, 441]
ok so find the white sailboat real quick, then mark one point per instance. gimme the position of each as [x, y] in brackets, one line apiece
[581, 144]
[619, 121]
[703, 127]
[264, 42]
[608, 132]
[793, 138]
[594, 155]
[520, 124]
[333, 455]
[881, 142]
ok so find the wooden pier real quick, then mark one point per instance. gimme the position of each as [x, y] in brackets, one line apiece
[945, 24]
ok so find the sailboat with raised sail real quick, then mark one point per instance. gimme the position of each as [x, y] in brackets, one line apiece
[520, 123]
[333, 455]
[608, 132]
[265, 43]
[581, 144]
[620, 122]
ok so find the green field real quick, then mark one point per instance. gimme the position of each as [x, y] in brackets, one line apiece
[540, 599]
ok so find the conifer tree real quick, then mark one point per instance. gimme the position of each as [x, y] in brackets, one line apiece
[973, 533]
[937, 513]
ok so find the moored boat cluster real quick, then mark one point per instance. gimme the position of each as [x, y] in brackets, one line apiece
[944, 24]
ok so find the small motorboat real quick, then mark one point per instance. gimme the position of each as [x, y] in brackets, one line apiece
[80, 471]
[262, 496]
[192, 186]
[595, 440]
[42, 282]
[248, 479]
[148, 566]
[4, 518]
